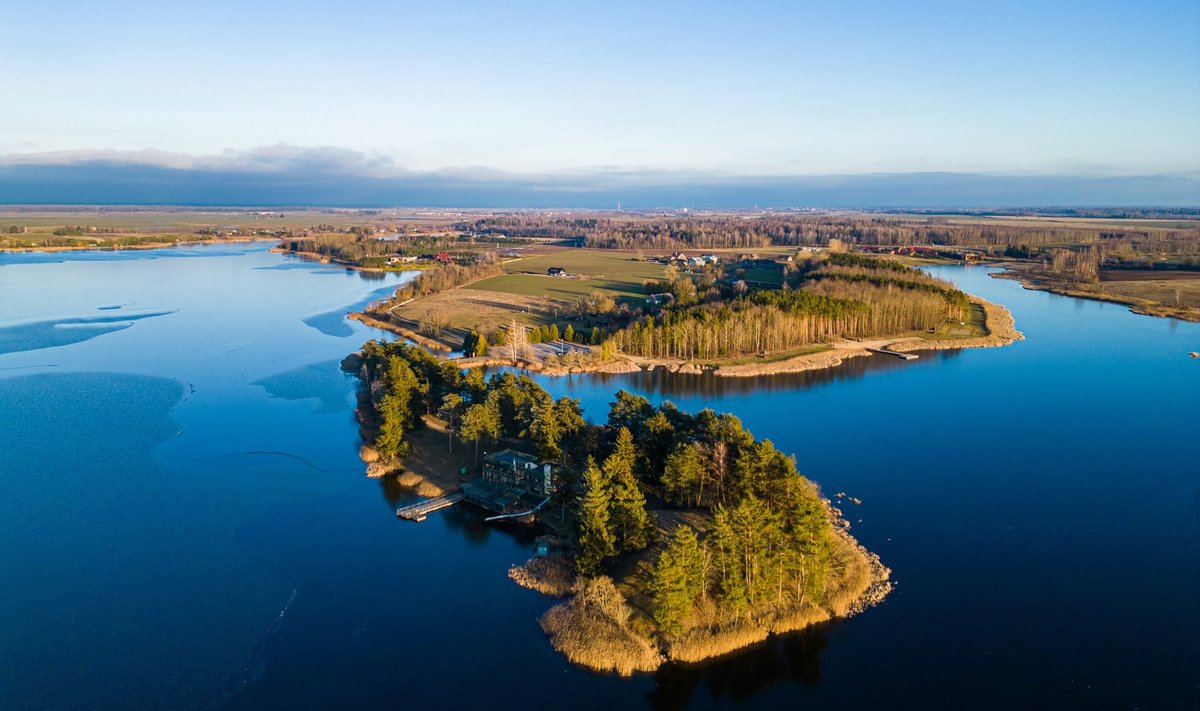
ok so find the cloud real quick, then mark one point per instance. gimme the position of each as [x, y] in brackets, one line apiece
[286, 175]
[279, 158]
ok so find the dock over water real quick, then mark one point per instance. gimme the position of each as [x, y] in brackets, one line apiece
[902, 356]
[419, 510]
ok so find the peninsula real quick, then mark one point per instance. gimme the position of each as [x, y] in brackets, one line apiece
[729, 313]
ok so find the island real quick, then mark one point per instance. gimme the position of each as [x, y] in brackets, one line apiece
[671, 535]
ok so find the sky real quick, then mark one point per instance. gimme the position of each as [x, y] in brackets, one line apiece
[546, 94]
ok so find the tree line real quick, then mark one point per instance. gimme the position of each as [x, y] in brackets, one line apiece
[740, 231]
[839, 296]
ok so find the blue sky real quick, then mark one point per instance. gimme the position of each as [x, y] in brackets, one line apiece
[715, 89]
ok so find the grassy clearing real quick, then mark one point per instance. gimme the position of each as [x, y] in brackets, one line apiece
[468, 308]
[559, 288]
[1166, 294]
[622, 266]
[619, 274]
[1175, 292]
[773, 358]
[973, 327]
[772, 278]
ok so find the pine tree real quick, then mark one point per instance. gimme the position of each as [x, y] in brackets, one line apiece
[677, 580]
[681, 475]
[392, 417]
[630, 519]
[545, 432]
[595, 533]
[480, 421]
[729, 563]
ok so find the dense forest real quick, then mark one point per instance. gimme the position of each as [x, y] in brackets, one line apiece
[824, 299]
[767, 537]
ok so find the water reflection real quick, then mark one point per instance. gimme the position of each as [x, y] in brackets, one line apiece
[664, 384]
[740, 676]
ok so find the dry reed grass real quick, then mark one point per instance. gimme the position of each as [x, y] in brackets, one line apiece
[552, 575]
[409, 479]
[429, 489]
[592, 629]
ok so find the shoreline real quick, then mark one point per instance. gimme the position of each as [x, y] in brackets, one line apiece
[998, 321]
[1143, 307]
[392, 327]
[326, 259]
[600, 624]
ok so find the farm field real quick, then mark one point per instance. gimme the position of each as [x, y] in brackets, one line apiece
[620, 274]
[589, 262]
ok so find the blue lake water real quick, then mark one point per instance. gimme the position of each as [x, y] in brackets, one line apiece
[185, 523]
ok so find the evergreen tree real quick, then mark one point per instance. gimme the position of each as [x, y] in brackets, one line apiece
[677, 580]
[545, 432]
[480, 421]
[729, 565]
[631, 521]
[630, 411]
[450, 412]
[596, 540]
[392, 417]
[682, 475]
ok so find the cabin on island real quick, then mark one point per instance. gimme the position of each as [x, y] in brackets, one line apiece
[519, 470]
[556, 271]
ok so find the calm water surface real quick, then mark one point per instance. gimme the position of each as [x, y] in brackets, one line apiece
[184, 521]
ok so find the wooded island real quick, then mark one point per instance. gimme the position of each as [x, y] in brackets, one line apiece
[675, 535]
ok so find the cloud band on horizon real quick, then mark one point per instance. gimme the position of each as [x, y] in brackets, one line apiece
[288, 175]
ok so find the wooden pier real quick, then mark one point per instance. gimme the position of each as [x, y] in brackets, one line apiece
[901, 356]
[419, 510]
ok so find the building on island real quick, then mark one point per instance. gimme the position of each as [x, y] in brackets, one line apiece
[518, 470]
[514, 485]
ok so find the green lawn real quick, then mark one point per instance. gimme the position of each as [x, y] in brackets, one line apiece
[772, 278]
